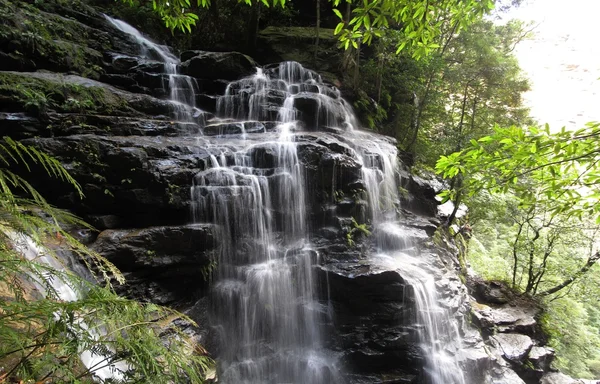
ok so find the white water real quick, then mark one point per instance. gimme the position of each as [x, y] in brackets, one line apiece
[181, 88]
[264, 301]
[97, 363]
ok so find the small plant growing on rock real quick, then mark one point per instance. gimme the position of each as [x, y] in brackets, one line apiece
[34, 101]
[355, 231]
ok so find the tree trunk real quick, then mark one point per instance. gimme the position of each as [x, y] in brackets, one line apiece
[586, 267]
[380, 78]
[214, 9]
[348, 12]
[423, 101]
[317, 30]
[357, 66]
[253, 27]
[516, 256]
[458, 186]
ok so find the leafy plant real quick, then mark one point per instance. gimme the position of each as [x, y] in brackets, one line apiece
[35, 101]
[42, 335]
[355, 231]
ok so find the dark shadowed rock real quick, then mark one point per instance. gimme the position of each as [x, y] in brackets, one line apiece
[218, 65]
[171, 262]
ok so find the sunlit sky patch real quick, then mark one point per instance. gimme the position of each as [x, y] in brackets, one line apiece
[562, 60]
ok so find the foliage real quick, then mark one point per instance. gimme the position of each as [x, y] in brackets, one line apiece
[355, 231]
[557, 170]
[420, 22]
[176, 13]
[531, 194]
[41, 334]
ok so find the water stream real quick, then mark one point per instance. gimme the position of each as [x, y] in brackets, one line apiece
[180, 88]
[265, 301]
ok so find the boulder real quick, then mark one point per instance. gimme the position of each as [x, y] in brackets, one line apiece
[218, 65]
[541, 358]
[514, 346]
[559, 378]
[169, 263]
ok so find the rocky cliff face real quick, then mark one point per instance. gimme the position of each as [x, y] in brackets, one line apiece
[184, 188]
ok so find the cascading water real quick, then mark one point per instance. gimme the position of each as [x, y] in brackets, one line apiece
[266, 307]
[265, 302]
[181, 88]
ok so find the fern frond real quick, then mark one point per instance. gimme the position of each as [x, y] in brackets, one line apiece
[20, 154]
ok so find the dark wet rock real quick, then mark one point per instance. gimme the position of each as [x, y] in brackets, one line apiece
[236, 128]
[143, 179]
[103, 222]
[217, 65]
[491, 292]
[295, 44]
[505, 319]
[168, 262]
[314, 111]
[207, 102]
[420, 196]
[122, 64]
[20, 125]
[541, 358]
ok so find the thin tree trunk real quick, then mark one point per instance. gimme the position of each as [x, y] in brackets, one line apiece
[423, 101]
[516, 256]
[586, 267]
[357, 66]
[317, 32]
[253, 27]
[214, 8]
[380, 78]
[348, 12]
[456, 201]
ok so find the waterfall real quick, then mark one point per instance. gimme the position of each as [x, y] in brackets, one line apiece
[265, 300]
[181, 88]
[267, 309]
[265, 303]
[95, 361]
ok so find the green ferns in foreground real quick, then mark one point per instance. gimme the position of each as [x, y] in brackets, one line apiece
[42, 336]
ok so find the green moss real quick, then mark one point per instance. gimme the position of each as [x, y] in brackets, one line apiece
[49, 40]
[37, 93]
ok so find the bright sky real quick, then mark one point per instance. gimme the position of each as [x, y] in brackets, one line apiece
[562, 61]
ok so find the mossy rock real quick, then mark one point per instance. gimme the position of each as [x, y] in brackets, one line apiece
[31, 38]
[38, 93]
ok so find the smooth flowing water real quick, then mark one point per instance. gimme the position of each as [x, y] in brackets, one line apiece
[264, 300]
[181, 88]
